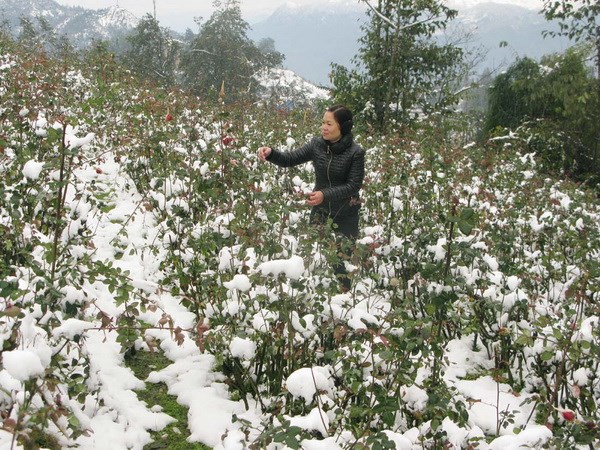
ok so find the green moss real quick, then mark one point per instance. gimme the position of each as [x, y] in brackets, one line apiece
[38, 439]
[172, 437]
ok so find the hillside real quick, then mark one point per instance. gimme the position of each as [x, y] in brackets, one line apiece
[136, 221]
[507, 32]
[82, 26]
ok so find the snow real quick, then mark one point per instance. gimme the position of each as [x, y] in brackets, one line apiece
[414, 397]
[32, 169]
[210, 415]
[74, 142]
[438, 250]
[22, 364]
[239, 282]
[306, 382]
[292, 268]
[71, 328]
[289, 87]
[534, 436]
[315, 420]
[529, 4]
[242, 348]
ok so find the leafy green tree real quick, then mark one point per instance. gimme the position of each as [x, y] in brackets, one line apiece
[221, 59]
[555, 102]
[578, 20]
[401, 68]
[153, 53]
[511, 97]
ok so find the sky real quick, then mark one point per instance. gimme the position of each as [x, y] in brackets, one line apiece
[180, 14]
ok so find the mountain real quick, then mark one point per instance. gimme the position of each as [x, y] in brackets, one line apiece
[313, 38]
[288, 88]
[81, 25]
[505, 32]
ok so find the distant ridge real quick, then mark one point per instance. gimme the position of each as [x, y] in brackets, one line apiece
[81, 25]
[312, 38]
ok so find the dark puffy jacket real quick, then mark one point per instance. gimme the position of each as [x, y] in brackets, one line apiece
[339, 171]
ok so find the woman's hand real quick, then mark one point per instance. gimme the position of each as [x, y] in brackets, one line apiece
[315, 198]
[263, 153]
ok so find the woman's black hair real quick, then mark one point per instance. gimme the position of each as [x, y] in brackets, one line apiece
[343, 116]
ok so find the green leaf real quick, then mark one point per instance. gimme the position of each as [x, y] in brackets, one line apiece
[74, 421]
[465, 227]
[524, 340]
[467, 214]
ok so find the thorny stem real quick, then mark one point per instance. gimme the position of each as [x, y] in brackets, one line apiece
[312, 373]
[562, 366]
[498, 424]
[59, 202]
[449, 244]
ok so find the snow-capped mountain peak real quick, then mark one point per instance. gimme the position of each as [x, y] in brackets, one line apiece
[462, 5]
[82, 25]
[325, 6]
[115, 16]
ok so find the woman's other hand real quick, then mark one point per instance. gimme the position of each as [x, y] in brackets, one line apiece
[263, 153]
[315, 198]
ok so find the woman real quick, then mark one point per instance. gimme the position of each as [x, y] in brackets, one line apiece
[339, 165]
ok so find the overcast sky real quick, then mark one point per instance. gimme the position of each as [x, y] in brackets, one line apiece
[180, 14]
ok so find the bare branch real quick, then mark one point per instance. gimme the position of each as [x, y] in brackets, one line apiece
[392, 24]
[381, 16]
[201, 50]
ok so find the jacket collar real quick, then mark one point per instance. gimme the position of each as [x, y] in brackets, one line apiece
[340, 146]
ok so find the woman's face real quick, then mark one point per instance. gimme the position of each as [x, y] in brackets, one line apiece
[330, 129]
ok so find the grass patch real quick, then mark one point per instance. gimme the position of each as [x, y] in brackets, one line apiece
[39, 439]
[172, 437]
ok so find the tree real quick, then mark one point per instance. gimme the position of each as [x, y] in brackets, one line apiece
[554, 102]
[511, 97]
[153, 54]
[578, 20]
[28, 35]
[44, 36]
[401, 69]
[222, 59]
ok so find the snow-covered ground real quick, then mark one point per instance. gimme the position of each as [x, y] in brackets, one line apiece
[118, 420]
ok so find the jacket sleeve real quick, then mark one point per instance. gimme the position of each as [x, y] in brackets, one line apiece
[292, 158]
[354, 182]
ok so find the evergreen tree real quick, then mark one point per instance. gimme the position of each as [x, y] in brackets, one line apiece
[28, 34]
[44, 37]
[153, 54]
[401, 69]
[511, 97]
[221, 59]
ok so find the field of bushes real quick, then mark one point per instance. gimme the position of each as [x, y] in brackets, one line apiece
[133, 219]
